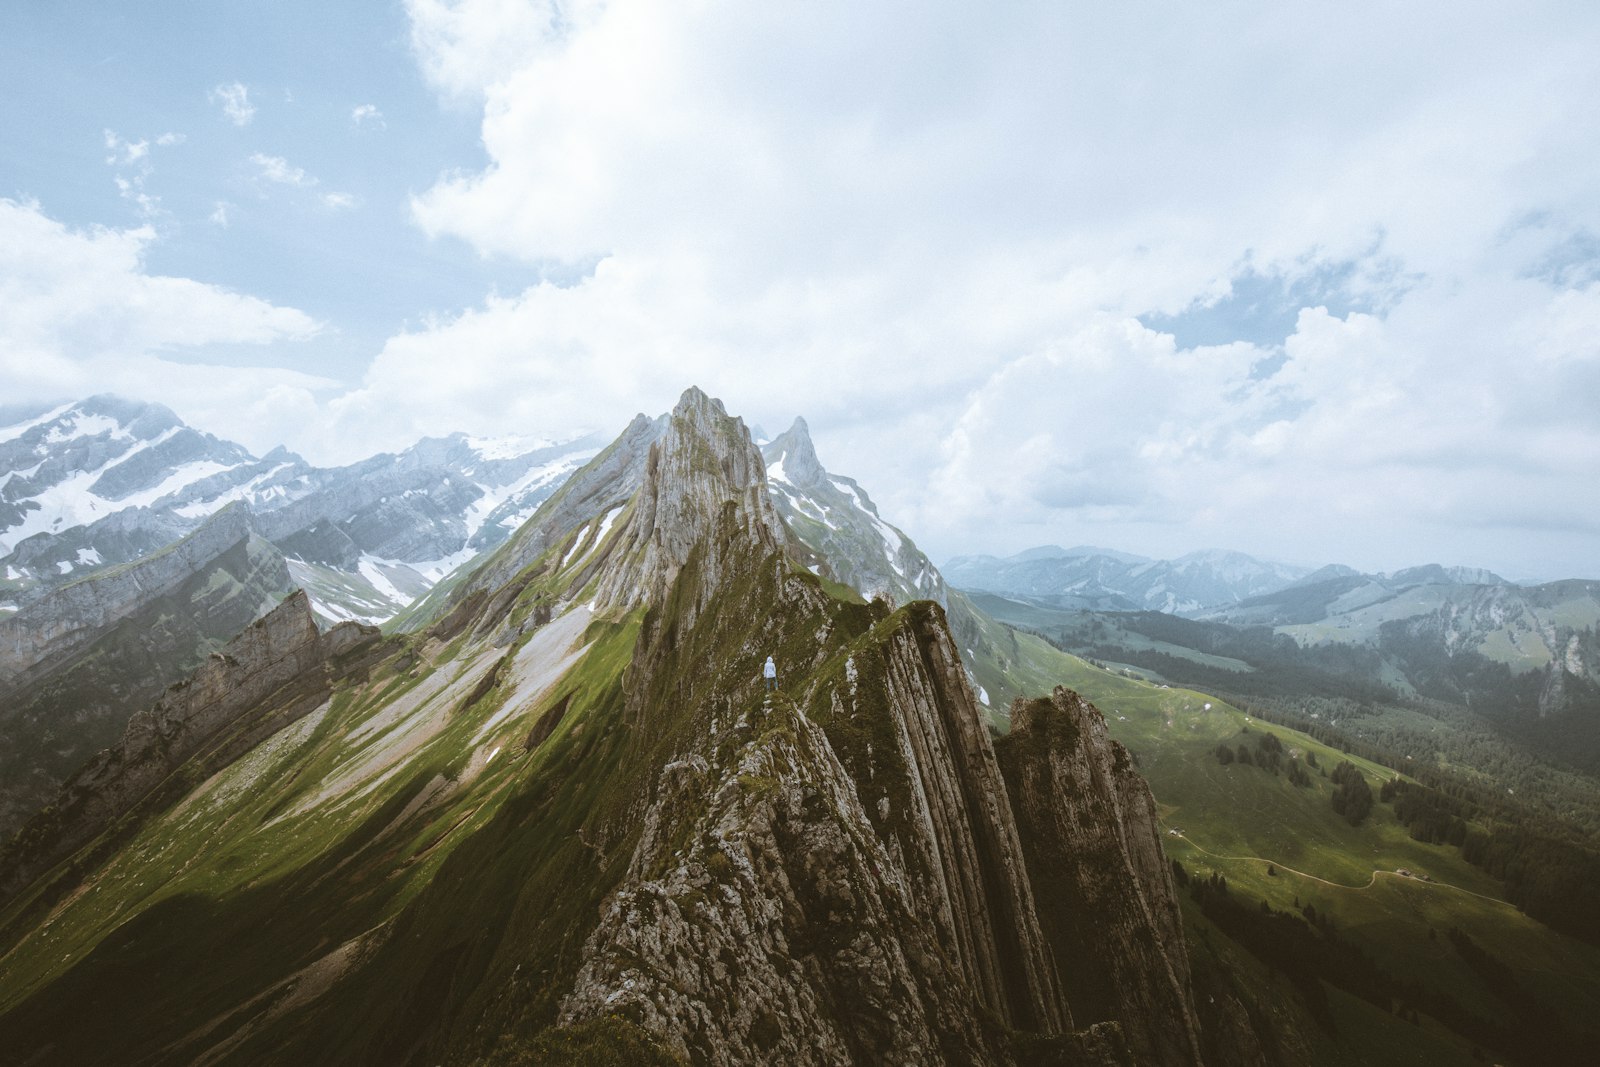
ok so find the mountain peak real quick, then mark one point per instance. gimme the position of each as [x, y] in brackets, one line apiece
[792, 458]
[695, 399]
[703, 460]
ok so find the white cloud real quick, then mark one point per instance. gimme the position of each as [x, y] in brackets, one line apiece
[280, 170]
[466, 46]
[367, 115]
[220, 214]
[79, 313]
[234, 99]
[124, 153]
[133, 163]
[933, 236]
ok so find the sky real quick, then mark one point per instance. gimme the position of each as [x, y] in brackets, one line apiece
[1320, 284]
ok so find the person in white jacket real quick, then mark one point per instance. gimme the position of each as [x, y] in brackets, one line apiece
[770, 673]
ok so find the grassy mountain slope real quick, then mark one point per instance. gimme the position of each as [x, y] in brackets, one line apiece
[445, 859]
[76, 699]
[1284, 844]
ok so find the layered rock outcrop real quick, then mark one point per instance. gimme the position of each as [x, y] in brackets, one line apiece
[77, 663]
[837, 872]
[1106, 899]
[703, 468]
[836, 518]
[602, 486]
[278, 670]
[839, 884]
[52, 629]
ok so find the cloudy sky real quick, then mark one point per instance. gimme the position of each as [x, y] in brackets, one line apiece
[1314, 283]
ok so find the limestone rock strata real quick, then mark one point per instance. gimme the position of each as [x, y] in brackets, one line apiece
[53, 628]
[703, 463]
[605, 483]
[831, 876]
[278, 670]
[834, 517]
[966, 852]
[783, 931]
[1106, 899]
[84, 658]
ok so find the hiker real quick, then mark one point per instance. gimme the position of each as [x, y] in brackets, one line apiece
[770, 673]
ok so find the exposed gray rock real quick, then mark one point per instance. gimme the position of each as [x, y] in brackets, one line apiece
[703, 463]
[223, 710]
[781, 933]
[1106, 899]
[52, 629]
[605, 483]
[108, 481]
[834, 517]
[779, 905]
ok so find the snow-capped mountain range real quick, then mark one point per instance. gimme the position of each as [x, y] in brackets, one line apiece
[107, 480]
[833, 515]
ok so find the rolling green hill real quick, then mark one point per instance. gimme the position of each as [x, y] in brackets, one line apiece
[1284, 845]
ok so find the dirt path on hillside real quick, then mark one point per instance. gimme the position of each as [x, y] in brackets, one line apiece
[1340, 885]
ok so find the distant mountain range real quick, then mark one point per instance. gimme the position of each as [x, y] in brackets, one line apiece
[1098, 579]
[559, 773]
[107, 481]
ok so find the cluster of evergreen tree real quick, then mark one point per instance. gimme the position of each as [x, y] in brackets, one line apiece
[1427, 814]
[1511, 781]
[1524, 820]
[1549, 865]
[1353, 797]
[1268, 754]
[1518, 704]
[1551, 879]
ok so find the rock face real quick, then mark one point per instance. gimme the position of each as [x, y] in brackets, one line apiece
[51, 630]
[779, 907]
[76, 664]
[569, 810]
[1089, 830]
[703, 464]
[603, 486]
[834, 517]
[843, 884]
[108, 481]
[281, 656]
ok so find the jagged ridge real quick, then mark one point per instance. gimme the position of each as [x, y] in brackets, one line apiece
[870, 869]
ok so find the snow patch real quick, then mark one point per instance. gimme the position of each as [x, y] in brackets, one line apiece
[249, 491]
[368, 568]
[16, 430]
[511, 446]
[536, 478]
[85, 425]
[605, 524]
[577, 543]
[181, 477]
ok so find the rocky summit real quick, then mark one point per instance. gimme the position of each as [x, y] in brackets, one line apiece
[562, 816]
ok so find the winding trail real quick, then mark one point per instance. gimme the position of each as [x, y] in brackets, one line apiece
[1340, 885]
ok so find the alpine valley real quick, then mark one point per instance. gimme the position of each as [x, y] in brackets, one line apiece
[464, 756]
